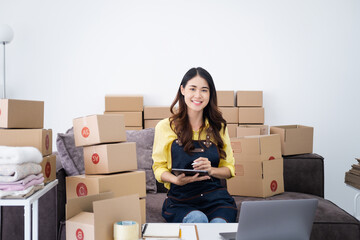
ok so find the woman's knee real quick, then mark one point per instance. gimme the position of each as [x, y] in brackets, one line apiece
[195, 217]
[218, 220]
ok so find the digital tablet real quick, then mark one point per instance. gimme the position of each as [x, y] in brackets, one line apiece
[189, 172]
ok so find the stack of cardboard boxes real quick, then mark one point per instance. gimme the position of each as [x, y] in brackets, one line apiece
[352, 177]
[152, 115]
[258, 166]
[226, 103]
[110, 166]
[251, 113]
[247, 117]
[21, 124]
[129, 106]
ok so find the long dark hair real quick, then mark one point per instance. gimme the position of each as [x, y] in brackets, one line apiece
[179, 120]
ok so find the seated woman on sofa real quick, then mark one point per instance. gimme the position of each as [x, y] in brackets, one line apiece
[195, 137]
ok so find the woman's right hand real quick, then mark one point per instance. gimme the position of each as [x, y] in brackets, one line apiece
[182, 180]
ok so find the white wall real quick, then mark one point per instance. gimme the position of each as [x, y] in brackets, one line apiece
[304, 55]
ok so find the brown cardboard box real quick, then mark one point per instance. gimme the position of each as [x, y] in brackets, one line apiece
[249, 98]
[225, 98]
[132, 119]
[151, 123]
[230, 114]
[122, 103]
[38, 138]
[110, 158]
[257, 179]
[120, 184]
[264, 129]
[256, 148]
[244, 131]
[251, 130]
[295, 139]
[133, 128]
[156, 112]
[48, 166]
[95, 129]
[21, 114]
[93, 217]
[143, 210]
[232, 129]
[251, 115]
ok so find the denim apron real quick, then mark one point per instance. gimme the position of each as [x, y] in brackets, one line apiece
[208, 196]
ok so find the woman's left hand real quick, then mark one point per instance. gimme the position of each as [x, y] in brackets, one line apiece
[202, 163]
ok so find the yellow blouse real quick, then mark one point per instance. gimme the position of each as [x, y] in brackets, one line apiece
[164, 136]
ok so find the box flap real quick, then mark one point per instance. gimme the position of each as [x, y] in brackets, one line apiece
[107, 212]
[84, 204]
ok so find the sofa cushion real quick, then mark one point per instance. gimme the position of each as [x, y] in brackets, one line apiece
[71, 157]
[144, 141]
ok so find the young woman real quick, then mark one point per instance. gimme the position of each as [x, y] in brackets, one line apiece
[195, 137]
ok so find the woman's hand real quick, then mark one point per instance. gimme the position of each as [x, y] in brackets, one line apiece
[183, 180]
[202, 163]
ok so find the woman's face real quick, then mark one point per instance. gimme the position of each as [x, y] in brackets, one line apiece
[196, 93]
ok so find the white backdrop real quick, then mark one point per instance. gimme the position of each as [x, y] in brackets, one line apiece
[304, 55]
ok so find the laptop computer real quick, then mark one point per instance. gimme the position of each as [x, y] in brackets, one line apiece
[274, 220]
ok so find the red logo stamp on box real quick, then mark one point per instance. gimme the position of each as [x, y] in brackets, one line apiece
[47, 142]
[81, 190]
[95, 158]
[79, 234]
[47, 170]
[273, 186]
[271, 158]
[85, 132]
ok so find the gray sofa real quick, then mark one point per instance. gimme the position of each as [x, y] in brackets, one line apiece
[303, 178]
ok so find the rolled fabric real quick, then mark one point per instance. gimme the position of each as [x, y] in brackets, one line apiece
[126, 230]
[19, 155]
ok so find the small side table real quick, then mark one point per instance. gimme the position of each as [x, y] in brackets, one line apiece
[31, 219]
[356, 200]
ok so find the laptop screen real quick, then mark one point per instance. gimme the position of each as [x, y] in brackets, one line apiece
[275, 219]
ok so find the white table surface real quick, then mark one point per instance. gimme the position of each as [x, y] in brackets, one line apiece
[206, 231]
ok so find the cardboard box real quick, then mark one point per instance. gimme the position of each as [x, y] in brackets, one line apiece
[232, 129]
[249, 98]
[251, 115]
[21, 114]
[120, 184]
[95, 129]
[225, 98]
[156, 112]
[151, 123]
[48, 166]
[295, 139]
[38, 138]
[256, 148]
[143, 210]
[264, 129]
[110, 158]
[230, 114]
[257, 179]
[251, 130]
[133, 128]
[122, 103]
[93, 217]
[132, 119]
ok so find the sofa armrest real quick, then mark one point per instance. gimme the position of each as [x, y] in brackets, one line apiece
[304, 173]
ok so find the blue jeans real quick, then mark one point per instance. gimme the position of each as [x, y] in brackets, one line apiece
[199, 217]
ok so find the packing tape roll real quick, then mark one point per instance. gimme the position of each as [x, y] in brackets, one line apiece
[126, 230]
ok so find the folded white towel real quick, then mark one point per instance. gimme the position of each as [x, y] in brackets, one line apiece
[21, 194]
[14, 172]
[19, 155]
